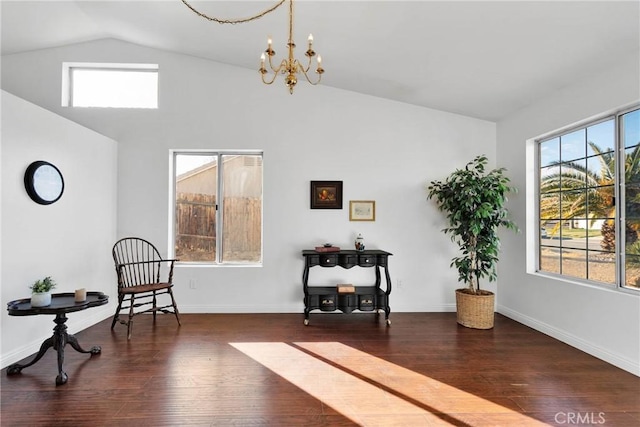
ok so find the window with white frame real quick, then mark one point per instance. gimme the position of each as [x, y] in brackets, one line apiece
[217, 207]
[589, 201]
[109, 85]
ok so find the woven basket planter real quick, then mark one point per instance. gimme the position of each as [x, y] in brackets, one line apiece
[475, 311]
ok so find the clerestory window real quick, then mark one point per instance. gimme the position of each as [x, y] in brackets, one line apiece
[109, 85]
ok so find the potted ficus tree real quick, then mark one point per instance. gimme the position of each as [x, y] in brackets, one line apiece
[41, 292]
[473, 201]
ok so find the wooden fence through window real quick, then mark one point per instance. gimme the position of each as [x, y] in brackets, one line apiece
[196, 228]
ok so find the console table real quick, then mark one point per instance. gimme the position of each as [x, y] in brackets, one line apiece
[364, 298]
[61, 304]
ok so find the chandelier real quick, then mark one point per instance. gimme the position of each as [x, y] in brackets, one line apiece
[290, 66]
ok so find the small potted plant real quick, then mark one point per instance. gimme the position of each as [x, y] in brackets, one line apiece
[474, 203]
[41, 292]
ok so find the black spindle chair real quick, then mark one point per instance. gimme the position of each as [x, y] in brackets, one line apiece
[139, 267]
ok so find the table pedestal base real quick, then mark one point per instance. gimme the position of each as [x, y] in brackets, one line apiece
[58, 341]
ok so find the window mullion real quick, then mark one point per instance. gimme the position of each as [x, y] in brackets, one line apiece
[219, 210]
[620, 206]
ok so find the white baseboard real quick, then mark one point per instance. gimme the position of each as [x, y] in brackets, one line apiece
[621, 362]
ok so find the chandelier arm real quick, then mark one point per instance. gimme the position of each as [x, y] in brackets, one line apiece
[306, 76]
[307, 68]
[268, 82]
[233, 21]
[280, 68]
[305, 71]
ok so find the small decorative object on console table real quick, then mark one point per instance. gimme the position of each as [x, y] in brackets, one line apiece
[61, 304]
[347, 298]
[359, 243]
[81, 295]
[41, 292]
[40, 299]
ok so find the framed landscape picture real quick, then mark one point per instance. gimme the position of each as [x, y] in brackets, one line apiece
[326, 194]
[362, 210]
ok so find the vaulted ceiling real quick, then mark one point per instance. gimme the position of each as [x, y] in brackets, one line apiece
[482, 59]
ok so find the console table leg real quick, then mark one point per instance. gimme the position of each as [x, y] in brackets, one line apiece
[59, 342]
[16, 368]
[73, 342]
[61, 378]
[387, 309]
[62, 375]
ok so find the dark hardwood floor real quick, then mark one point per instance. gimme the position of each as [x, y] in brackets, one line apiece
[341, 370]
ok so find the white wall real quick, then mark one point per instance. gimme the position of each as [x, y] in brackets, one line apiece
[382, 150]
[69, 240]
[603, 322]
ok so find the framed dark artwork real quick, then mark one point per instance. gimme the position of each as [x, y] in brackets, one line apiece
[326, 194]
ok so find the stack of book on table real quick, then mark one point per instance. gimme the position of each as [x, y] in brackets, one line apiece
[346, 288]
[327, 249]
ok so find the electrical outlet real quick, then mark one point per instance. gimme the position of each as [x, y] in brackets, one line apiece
[399, 283]
[192, 284]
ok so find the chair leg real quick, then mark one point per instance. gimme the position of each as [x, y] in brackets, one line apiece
[154, 307]
[130, 322]
[116, 316]
[175, 307]
[129, 327]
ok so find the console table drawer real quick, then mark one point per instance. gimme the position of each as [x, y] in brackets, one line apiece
[327, 302]
[348, 260]
[366, 260]
[328, 260]
[366, 302]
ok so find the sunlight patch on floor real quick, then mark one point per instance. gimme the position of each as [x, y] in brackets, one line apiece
[385, 395]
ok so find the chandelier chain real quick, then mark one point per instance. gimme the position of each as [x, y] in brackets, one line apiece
[233, 21]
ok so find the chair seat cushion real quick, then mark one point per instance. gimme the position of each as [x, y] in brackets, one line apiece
[145, 288]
